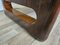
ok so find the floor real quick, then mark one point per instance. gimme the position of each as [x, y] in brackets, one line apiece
[13, 34]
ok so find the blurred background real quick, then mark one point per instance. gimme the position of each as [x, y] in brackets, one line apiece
[1, 7]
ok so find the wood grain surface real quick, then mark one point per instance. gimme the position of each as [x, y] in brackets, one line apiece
[46, 11]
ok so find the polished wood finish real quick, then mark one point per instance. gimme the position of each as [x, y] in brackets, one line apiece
[46, 10]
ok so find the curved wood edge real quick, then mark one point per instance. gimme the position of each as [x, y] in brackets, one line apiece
[46, 18]
[25, 18]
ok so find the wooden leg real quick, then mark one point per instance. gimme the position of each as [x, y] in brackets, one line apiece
[46, 15]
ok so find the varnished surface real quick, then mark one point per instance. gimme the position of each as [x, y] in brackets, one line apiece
[46, 16]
